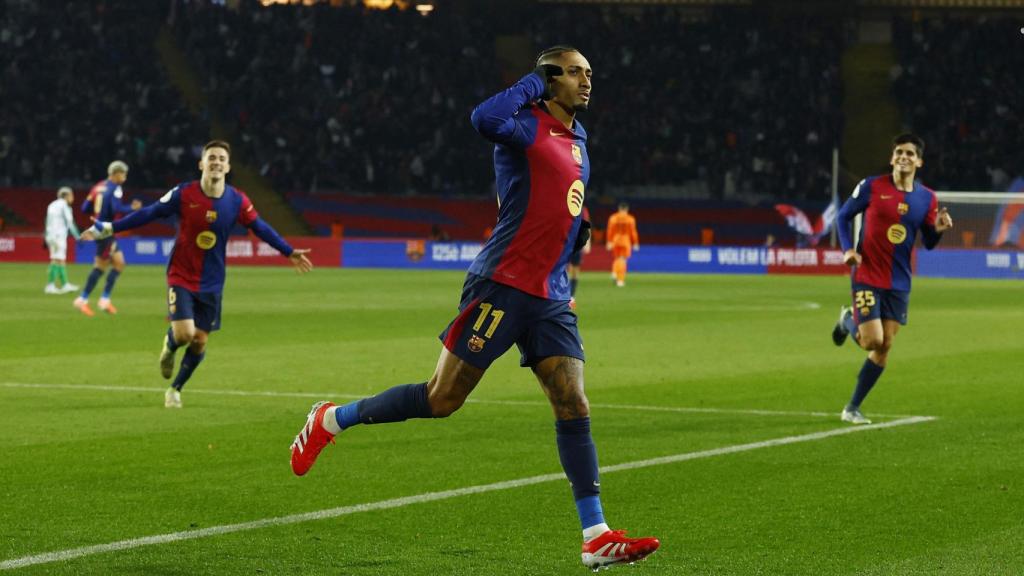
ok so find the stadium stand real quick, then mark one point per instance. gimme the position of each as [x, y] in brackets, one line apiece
[102, 96]
[357, 105]
[953, 85]
[337, 104]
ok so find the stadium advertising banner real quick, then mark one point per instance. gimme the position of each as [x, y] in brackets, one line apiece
[29, 249]
[240, 250]
[970, 264]
[409, 254]
[426, 255]
[737, 260]
[653, 258]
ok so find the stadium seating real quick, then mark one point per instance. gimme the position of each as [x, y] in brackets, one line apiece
[97, 93]
[660, 221]
[952, 85]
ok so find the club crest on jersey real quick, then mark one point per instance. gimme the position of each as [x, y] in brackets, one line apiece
[902, 208]
[476, 343]
[574, 199]
[896, 233]
[577, 154]
[211, 216]
[206, 240]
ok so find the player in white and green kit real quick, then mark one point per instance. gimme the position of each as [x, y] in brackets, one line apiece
[59, 222]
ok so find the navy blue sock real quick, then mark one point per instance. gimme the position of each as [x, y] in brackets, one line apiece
[572, 286]
[395, 404]
[172, 344]
[869, 374]
[90, 284]
[189, 363]
[578, 454]
[111, 278]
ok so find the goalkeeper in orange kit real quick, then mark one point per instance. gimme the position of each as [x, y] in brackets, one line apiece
[622, 241]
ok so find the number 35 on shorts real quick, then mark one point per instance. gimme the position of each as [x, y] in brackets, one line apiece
[864, 298]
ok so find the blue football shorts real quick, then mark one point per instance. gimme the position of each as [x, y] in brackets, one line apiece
[492, 317]
[870, 303]
[106, 248]
[201, 307]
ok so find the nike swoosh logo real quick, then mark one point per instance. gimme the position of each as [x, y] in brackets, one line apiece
[191, 205]
[884, 197]
[555, 133]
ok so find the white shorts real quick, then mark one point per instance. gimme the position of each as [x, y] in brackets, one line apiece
[58, 248]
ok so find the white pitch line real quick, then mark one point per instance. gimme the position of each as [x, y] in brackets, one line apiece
[321, 395]
[69, 554]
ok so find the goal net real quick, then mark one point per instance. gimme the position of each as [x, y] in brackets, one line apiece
[984, 220]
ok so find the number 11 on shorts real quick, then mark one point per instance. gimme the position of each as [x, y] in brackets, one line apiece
[496, 315]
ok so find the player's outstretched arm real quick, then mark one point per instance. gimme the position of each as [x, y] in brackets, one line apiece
[267, 233]
[97, 231]
[299, 260]
[165, 207]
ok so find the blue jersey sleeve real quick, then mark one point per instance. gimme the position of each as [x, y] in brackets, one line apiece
[266, 233]
[168, 205]
[857, 203]
[495, 118]
[117, 205]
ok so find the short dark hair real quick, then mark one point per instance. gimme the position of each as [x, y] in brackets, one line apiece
[910, 138]
[623, 205]
[553, 51]
[217, 144]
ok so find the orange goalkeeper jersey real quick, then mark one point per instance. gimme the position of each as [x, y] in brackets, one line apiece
[622, 230]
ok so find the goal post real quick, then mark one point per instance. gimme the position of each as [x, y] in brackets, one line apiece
[984, 219]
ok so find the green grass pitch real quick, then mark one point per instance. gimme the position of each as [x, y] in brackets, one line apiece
[91, 457]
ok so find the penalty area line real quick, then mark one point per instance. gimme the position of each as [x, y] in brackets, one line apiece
[323, 395]
[72, 553]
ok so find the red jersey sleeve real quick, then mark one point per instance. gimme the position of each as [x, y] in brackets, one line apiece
[247, 214]
[933, 211]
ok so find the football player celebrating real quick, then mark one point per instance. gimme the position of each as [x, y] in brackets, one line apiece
[889, 211]
[207, 210]
[517, 292]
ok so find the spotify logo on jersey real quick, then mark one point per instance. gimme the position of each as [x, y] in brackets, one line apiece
[206, 240]
[574, 199]
[896, 233]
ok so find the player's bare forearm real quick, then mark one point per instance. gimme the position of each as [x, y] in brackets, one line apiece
[851, 258]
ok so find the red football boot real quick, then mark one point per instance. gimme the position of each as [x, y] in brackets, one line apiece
[311, 439]
[613, 547]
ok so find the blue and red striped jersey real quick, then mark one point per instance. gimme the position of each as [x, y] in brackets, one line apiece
[888, 229]
[204, 225]
[103, 202]
[541, 170]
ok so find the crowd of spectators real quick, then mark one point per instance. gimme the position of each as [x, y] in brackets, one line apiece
[738, 101]
[379, 100]
[348, 98]
[81, 85]
[956, 84]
